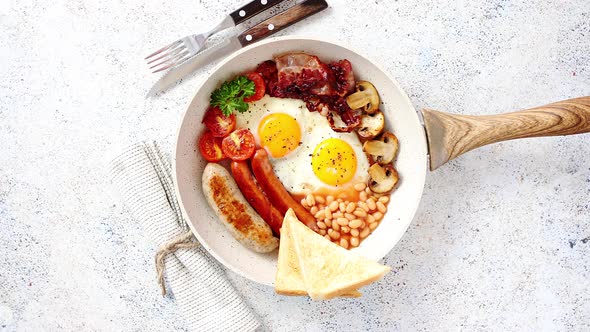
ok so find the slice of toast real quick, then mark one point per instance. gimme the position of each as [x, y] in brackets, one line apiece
[289, 280]
[329, 270]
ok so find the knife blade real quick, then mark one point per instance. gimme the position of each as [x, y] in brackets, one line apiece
[232, 44]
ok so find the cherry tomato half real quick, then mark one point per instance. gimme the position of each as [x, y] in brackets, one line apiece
[239, 145]
[259, 89]
[210, 147]
[219, 124]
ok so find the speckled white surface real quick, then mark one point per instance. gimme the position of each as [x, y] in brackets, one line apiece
[501, 240]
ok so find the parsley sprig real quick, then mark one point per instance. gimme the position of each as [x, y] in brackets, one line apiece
[229, 97]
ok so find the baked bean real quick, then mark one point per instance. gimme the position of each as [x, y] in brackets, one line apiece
[349, 216]
[371, 204]
[354, 232]
[304, 203]
[335, 226]
[334, 234]
[363, 196]
[370, 218]
[337, 214]
[310, 200]
[320, 199]
[373, 225]
[342, 221]
[328, 213]
[322, 232]
[356, 223]
[345, 229]
[368, 191]
[313, 210]
[363, 225]
[342, 207]
[328, 237]
[384, 199]
[365, 232]
[354, 241]
[333, 206]
[363, 206]
[321, 214]
[360, 186]
[329, 199]
[381, 207]
[378, 215]
[328, 222]
[321, 225]
[344, 243]
[350, 207]
[360, 213]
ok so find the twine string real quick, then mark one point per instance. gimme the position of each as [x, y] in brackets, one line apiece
[182, 241]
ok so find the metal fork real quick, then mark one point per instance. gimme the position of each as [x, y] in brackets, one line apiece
[184, 48]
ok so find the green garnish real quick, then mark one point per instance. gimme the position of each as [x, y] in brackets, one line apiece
[229, 97]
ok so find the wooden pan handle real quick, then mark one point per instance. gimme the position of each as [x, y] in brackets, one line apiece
[451, 135]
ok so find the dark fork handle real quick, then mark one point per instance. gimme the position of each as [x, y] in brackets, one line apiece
[252, 9]
[281, 21]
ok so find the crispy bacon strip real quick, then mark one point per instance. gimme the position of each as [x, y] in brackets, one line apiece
[322, 86]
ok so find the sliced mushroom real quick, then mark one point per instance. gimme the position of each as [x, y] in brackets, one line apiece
[365, 98]
[371, 125]
[382, 150]
[382, 178]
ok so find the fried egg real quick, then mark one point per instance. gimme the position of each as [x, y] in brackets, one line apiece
[276, 124]
[306, 154]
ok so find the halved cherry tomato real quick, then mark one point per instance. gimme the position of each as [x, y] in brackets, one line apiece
[210, 147]
[219, 124]
[259, 88]
[239, 145]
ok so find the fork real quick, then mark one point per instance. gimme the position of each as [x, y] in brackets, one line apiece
[186, 47]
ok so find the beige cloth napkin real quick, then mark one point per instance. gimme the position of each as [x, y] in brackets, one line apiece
[142, 175]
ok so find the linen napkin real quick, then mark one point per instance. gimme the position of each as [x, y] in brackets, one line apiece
[142, 175]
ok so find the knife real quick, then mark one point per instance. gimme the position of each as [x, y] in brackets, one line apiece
[232, 44]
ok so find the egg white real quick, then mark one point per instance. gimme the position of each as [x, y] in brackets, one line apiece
[295, 170]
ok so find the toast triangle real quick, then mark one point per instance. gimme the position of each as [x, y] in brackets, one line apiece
[289, 280]
[329, 270]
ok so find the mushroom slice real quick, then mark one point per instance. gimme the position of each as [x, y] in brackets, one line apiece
[382, 150]
[371, 125]
[382, 178]
[365, 98]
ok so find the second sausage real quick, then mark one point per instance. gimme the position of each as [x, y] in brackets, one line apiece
[248, 186]
[276, 192]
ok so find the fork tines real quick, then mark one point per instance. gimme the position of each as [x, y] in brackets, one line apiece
[168, 55]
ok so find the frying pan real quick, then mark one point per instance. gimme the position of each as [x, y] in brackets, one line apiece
[427, 140]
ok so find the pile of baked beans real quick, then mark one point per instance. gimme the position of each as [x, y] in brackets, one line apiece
[344, 222]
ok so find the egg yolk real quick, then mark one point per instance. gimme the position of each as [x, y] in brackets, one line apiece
[279, 133]
[334, 161]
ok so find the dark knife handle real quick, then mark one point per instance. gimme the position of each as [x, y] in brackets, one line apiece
[281, 21]
[252, 9]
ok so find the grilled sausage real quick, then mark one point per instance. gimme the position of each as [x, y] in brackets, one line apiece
[275, 190]
[254, 195]
[234, 212]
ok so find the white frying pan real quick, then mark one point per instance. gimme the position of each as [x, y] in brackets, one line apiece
[442, 137]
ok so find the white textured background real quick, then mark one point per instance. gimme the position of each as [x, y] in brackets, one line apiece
[501, 240]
